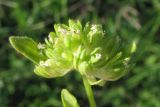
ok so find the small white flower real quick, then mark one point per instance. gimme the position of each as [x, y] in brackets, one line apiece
[78, 31]
[41, 46]
[94, 28]
[98, 56]
[44, 63]
[61, 30]
[72, 30]
[41, 62]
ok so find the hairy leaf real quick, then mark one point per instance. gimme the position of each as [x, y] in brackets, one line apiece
[27, 47]
[68, 99]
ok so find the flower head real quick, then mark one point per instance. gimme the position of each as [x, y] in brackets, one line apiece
[96, 55]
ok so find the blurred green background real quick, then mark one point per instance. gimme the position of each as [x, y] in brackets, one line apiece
[130, 19]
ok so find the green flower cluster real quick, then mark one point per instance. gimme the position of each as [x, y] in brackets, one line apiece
[88, 50]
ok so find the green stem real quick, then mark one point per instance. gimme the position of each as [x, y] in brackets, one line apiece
[89, 92]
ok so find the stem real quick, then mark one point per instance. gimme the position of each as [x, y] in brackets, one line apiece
[89, 92]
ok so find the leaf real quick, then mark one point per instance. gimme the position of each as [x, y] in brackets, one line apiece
[68, 99]
[26, 46]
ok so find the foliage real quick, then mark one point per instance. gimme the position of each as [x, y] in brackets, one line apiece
[68, 99]
[130, 19]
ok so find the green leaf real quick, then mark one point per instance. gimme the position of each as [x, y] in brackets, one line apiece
[27, 47]
[68, 99]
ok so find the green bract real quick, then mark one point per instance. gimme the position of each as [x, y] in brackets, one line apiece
[68, 99]
[97, 56]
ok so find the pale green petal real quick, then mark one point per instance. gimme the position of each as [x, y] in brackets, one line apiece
[52, 69]
[108, 75]
[75, 25]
